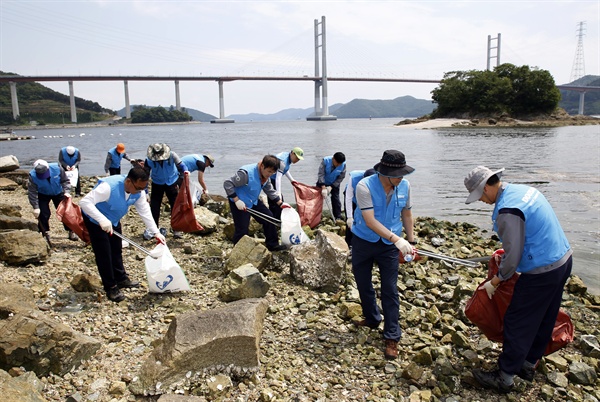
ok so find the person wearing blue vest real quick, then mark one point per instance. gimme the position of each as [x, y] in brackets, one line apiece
[331, 174]
[536, 247]
[164, 166]
[112, 165]
[102, 210]
[47, 182]
[383, 209]
[243, 190]
[350, 200]
[69, 158]
[286, 160]
[197, 162]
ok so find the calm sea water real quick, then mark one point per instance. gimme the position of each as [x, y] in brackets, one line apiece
[564, 163]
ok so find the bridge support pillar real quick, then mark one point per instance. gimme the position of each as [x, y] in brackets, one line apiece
[72, 102]
[321, 107]
[14, 100]
[177, 100]
[221, 118]
[127, 105]
[581, 102]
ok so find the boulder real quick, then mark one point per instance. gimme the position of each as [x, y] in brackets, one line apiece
[245, 282]
[25, 388]
[86, 283]
[248, 251]
[8, 163]
[35, 342]
[223, 338]
[14, 222]
[10, 210]
[207, 219]
[7, 184]
[20, 247]
[320, 263]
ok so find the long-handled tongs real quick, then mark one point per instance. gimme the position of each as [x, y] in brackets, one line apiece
[272, 220]
[472, 264]
[134, 244]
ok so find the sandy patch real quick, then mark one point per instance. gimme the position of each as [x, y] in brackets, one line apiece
[434, 123]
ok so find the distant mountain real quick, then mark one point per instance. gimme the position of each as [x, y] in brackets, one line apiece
[282, 115]
[196, 114]
[570, 99]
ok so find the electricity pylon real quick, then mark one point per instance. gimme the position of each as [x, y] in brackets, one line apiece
[578, 69]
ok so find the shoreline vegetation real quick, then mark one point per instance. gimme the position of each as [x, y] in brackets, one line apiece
[309, 349]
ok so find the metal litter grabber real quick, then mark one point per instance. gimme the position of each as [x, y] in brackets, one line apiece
[134, 244]
[472, 264]
[272, 220]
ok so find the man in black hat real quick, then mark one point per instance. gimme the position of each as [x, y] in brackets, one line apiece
[384, 208]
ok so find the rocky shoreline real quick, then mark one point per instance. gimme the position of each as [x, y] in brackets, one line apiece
[309, 349]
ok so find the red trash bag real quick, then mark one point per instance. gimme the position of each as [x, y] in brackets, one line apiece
[70, 215]
[488, 315]
[309, 203]
[183, 218]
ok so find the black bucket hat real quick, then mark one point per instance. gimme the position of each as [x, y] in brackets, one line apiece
[393, 164]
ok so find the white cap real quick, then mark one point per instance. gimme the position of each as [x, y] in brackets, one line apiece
[71, 150]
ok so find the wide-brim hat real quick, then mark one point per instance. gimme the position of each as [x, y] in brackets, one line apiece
[476, 180]
[158, 152]
[393, 164]
[211, 160]
[42, 169]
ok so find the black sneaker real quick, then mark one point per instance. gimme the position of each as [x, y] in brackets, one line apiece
[128, 283]
[163, 231]
[527, 373]
[492, 380]
[279, 247]
[115, 294]
[73, 236]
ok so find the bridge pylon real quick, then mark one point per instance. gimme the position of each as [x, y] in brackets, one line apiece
[321, 107]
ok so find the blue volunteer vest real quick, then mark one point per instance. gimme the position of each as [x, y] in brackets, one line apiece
[545, 241]
[116, 158]
[355, 177]
[68, 159]
[116, 206]
[165, 174]
[250, 192]
[332, 174]
[51, 185]
[287, 160]
[388, 214]
[190, 161]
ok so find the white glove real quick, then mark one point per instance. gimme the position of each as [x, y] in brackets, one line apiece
[324, 192]
[241, 205]
[489, 288]
[186, 173]
[285, 205]
[107, 226]
[349, 222]
[36, 213]
[68, 195]
[404, 247]
[206, 192]
[160, 238]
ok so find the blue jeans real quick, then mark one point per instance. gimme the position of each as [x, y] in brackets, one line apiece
[530, 317]
[364, 254]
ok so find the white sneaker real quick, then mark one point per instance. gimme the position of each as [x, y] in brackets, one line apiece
[177, 234]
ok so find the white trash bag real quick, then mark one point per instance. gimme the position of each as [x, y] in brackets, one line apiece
[72, 175]
[196, 192]
[164, 274]
[291, 228]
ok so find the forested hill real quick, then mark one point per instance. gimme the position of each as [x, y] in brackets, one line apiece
[570, 99]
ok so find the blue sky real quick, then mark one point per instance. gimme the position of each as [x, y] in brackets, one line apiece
[399, 39]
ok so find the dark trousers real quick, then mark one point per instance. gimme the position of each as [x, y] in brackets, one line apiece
[336, 204]
[273, 207]
[78, 185]
[114, 171]
[530, 317]
[108, 252]
[241, 221]
[156, 196]
[349, 214]
[364, 255]
[44, 203]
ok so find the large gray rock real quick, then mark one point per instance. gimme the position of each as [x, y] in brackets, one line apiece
[320, 263]
[13, 222]
[245, 282]
[581, 373]
[248, 251]
[207, 219]
[33, 341]
[226, 337]
[20, 247]
[25, 388]
[8, 163]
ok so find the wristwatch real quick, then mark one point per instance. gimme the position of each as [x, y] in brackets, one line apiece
[414, 243]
